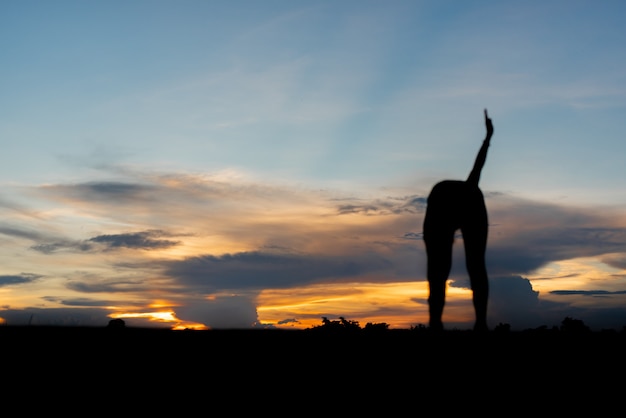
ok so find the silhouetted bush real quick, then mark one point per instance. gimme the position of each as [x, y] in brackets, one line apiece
[341, 325]
[345, 326]
[574, 326]
[418, 327]
[116, 323]
[542, 330]
[502, 328]
[379, 327]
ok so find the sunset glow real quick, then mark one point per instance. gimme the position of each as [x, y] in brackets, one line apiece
[391, 303]
[244, 165]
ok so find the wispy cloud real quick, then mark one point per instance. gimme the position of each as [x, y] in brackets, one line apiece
[139, 240]
[7, 280]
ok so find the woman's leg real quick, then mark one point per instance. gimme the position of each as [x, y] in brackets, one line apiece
[475, 241]
[439, 259]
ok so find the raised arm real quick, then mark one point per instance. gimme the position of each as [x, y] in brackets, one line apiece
[474, 176]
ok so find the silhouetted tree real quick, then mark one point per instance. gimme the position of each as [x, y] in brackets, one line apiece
[574, 326]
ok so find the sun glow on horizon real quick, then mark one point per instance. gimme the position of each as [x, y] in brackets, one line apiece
[400, 305]
[166, 316]
[162, 317]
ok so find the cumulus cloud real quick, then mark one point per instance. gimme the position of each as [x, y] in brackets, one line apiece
[221, 312]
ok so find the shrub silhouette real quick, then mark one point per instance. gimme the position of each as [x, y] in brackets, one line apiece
[574, 326]
[502, 328]
[116, 323]
[379, 327]
[345, 326]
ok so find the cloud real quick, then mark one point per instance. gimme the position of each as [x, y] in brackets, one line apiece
[288, 321]
[222, 312]
[6, 280]
[143, 240]
[17, 208]
[617, 260]
[513, 301]
[138, 240]
[526, 235]
[48, 242]
[108, 286]
[82, 302]
[257, 270]
[53, 247]
[413, 235]
[56, 316]
[386, 206]
[594, 293]
[107, 190]
[20, 232]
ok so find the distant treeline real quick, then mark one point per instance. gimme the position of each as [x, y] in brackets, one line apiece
[342, 325]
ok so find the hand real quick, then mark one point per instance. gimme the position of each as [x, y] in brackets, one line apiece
[489, 125]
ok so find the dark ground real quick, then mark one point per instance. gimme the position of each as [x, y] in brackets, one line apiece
[256, 348]
[320, 368]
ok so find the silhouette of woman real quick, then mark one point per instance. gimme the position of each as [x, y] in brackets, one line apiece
[453, 205]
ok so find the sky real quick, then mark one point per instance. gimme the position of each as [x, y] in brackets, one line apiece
[266, 164]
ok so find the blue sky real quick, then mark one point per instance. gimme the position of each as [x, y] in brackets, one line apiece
[265, 163]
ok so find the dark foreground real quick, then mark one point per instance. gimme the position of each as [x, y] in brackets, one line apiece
[276, 349]
[335, 374]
